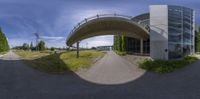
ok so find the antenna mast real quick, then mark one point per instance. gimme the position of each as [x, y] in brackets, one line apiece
[37, 39]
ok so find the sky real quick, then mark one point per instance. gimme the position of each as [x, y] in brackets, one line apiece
[54, 19]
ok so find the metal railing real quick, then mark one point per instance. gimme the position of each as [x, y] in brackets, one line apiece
[102, 16]
[96, 17]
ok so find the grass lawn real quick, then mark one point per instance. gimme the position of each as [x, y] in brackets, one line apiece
[59, 63]
[28, 55]
[161, 66]
[2, 53]
[85, 59]
[197, 52]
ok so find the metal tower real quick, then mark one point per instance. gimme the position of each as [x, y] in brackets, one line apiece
[37, 39]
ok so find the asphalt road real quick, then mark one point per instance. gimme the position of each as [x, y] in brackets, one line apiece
[111, 69]
[18, 81]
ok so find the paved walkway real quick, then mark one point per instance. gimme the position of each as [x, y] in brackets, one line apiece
[18, 81]
[111, 69]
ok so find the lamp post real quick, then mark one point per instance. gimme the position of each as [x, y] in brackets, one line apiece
[77, 49]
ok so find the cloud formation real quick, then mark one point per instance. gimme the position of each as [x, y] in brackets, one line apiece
[54, 19]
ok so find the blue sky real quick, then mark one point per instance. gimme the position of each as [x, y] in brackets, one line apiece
[54, 19]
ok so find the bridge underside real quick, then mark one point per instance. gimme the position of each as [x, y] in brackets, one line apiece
[108, 26]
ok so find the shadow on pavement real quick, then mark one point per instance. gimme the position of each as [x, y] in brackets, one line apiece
[18, 81]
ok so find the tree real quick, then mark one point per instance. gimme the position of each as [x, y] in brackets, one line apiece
[25, 46]
[123, 44]
[115, 42]
[197, 41]
[93, 48]
[3, 42]
[41, 46]
[120, 43]
[52, 48]
[31, 46]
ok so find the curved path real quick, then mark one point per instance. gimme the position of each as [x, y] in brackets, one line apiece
[111, 69]
[10, 56]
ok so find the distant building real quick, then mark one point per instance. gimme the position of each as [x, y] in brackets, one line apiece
[104, 48]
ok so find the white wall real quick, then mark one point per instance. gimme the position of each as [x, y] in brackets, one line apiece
[159, 31]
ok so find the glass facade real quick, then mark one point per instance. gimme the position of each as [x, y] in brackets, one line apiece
[180, 31]
[133, 45]
[176, 21]
[146, 46]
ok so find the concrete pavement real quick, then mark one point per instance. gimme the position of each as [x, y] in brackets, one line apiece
[111, 69]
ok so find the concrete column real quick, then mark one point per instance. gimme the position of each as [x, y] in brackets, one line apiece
[77, 49]
[141, 46]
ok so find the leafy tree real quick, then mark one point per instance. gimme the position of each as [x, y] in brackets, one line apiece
[31, 46]
[197, 41]
[120, 43]
[25, 46]
[41, 46]
[123, 44]
[52, 48]
[115, 42]
[93, 48]
[3, 42]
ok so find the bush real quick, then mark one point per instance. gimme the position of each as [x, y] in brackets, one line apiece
[161, 66]
[197, 52]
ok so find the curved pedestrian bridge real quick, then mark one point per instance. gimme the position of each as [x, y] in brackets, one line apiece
[107, 24]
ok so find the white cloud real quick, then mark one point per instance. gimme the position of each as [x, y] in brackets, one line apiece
[80, 15]
[18, 42]
[51, 38]
[97, 41]
[71, 19]
[54, 41]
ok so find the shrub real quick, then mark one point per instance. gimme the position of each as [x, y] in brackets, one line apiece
[162, 66]
[120, 53]
[197, 52]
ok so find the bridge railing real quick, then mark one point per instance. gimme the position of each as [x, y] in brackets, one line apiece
[96, 17]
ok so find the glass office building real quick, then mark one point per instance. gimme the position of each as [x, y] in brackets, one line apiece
[133, 45]
[171, 32]
[180, 31]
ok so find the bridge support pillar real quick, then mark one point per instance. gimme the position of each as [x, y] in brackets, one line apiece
[141, 46]
[77, 49]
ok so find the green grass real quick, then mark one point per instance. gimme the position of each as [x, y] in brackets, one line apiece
[2, 53]
[29, 55]
[50, 64]
[161, 66]
[84, 61]
[197, 52]
[59, 63]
